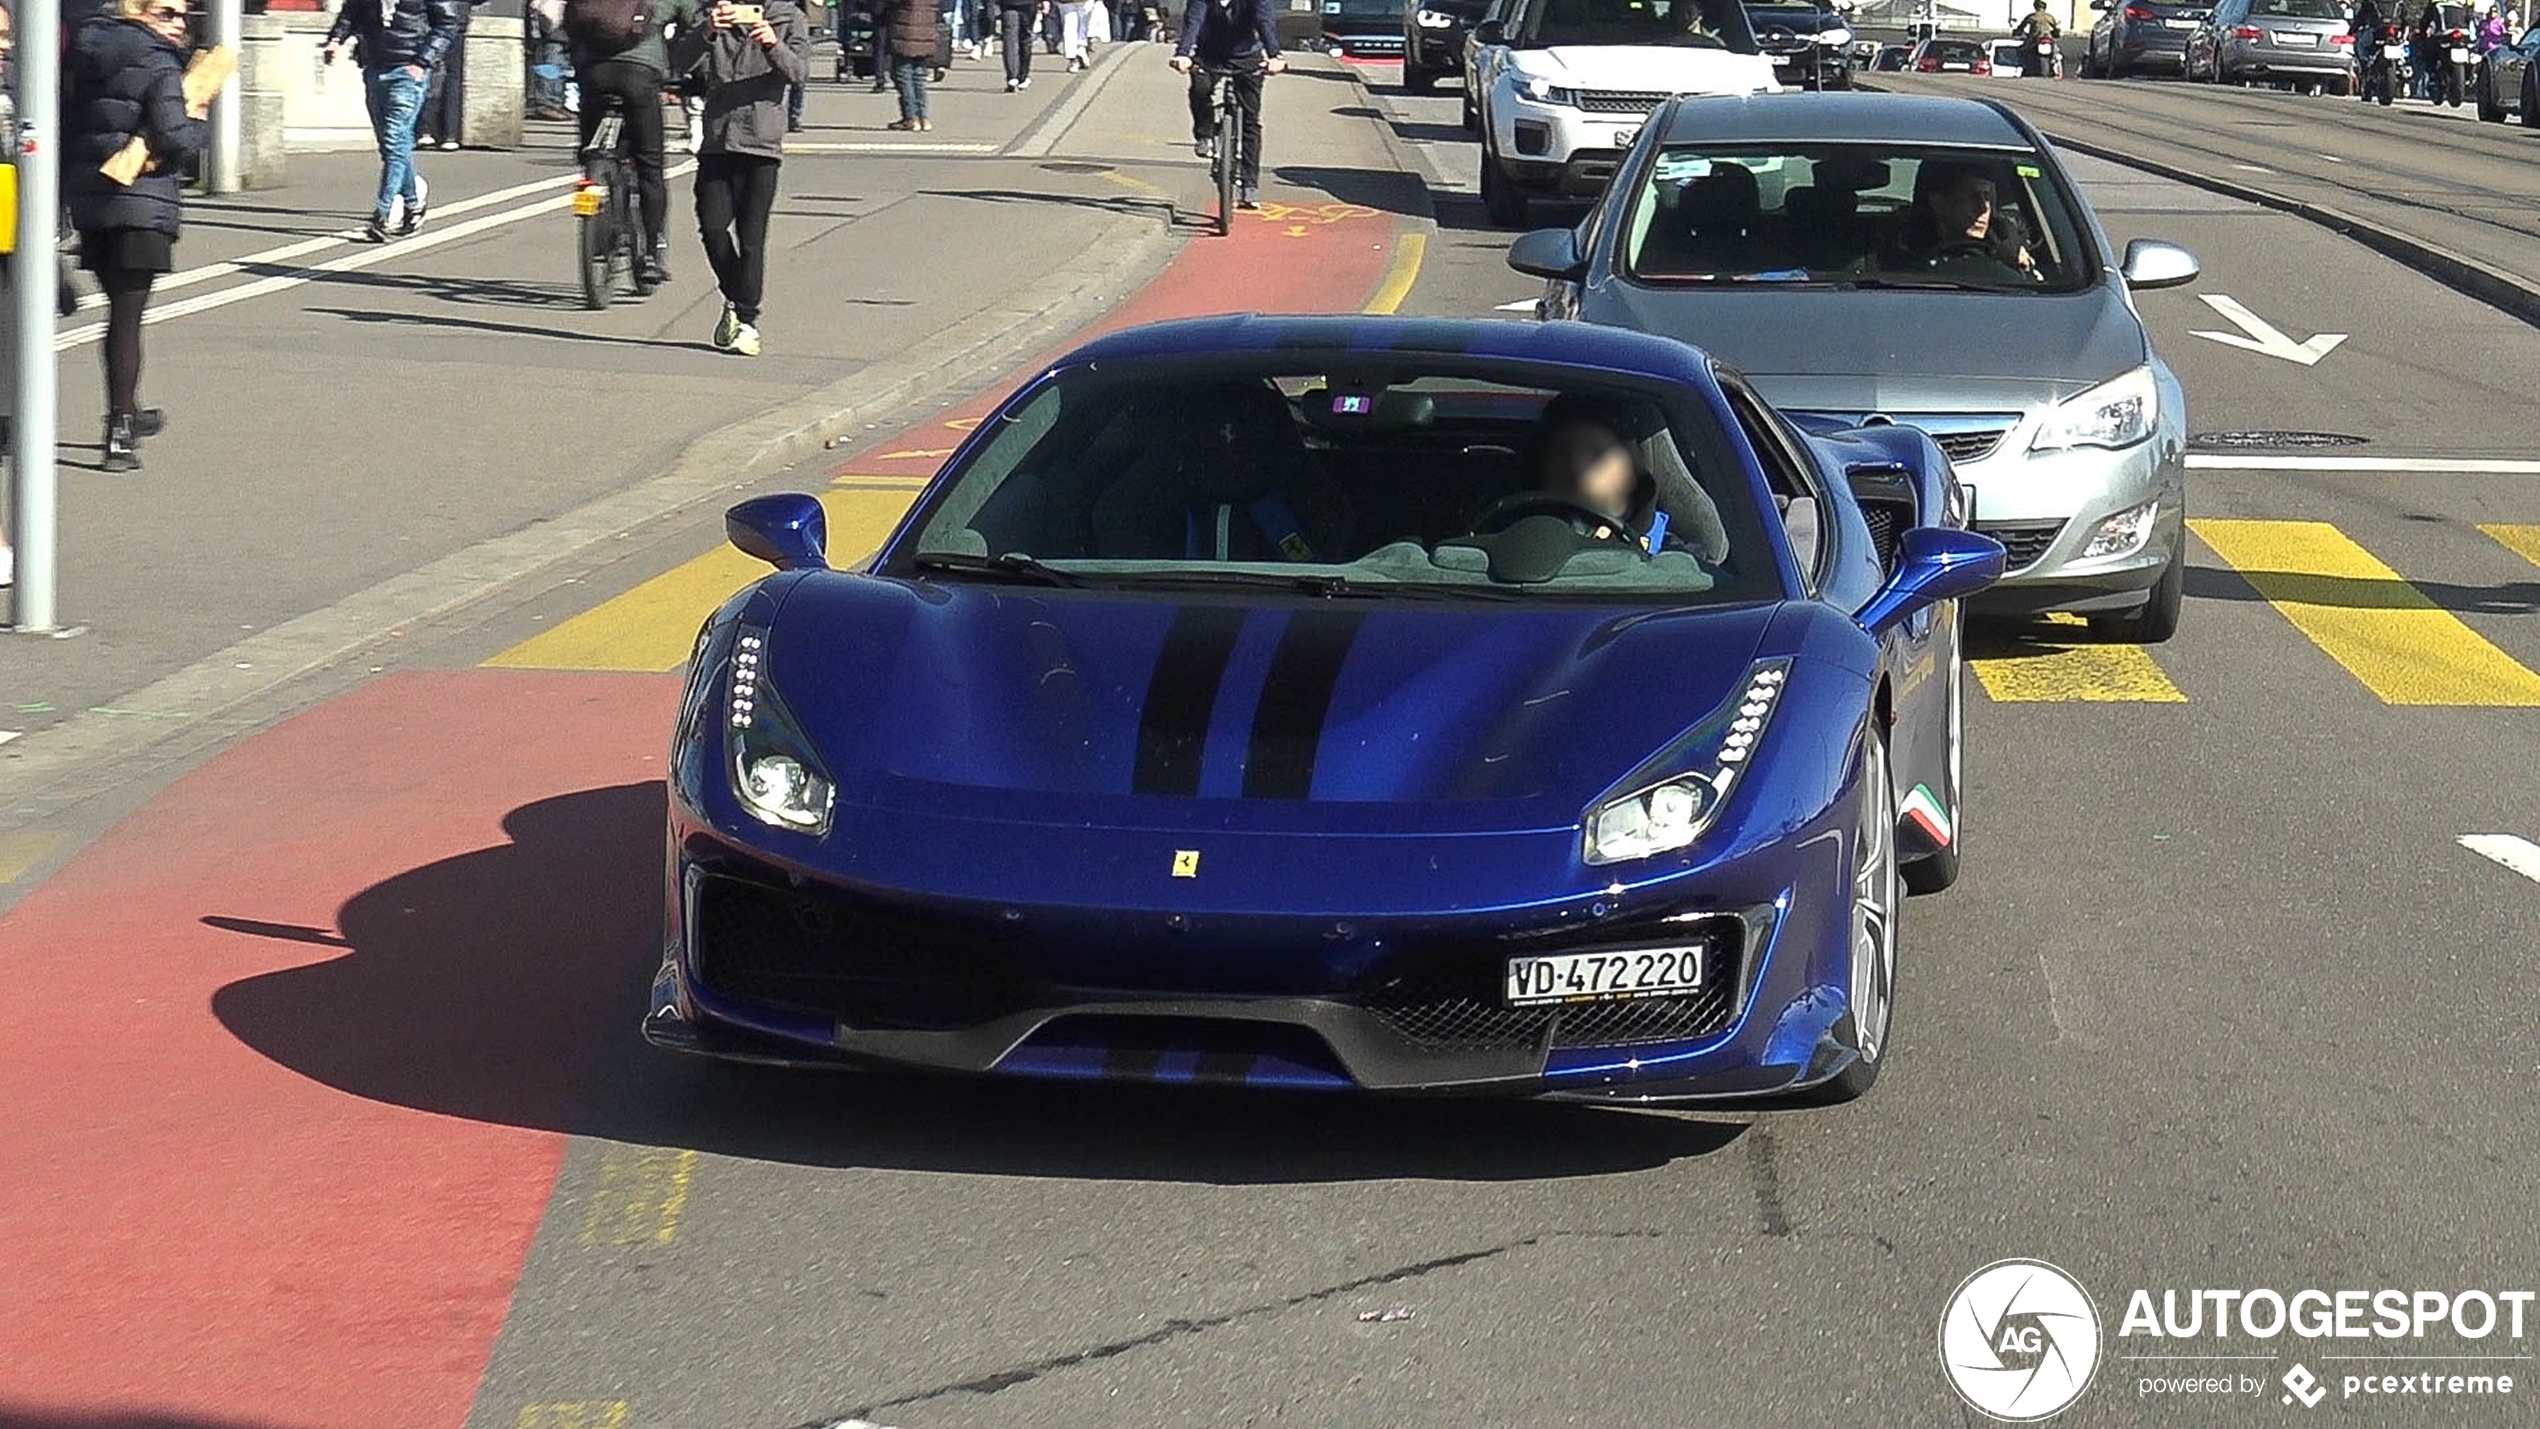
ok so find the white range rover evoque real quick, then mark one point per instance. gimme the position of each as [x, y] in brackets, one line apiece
[1563, 86]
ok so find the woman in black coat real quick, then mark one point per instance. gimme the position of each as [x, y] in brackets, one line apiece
[125, 77]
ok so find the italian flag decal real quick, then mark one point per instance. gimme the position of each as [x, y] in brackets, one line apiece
[1923, 808]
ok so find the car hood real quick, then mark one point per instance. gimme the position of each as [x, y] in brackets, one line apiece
[1863, 352]
[1650, 69]
[1090, 708]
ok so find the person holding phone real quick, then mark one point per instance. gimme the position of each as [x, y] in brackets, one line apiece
[748, 57]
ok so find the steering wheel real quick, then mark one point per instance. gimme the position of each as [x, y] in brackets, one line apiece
[1584, 519]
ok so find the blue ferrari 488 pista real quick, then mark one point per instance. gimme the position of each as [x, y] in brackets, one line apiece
[1342, 703]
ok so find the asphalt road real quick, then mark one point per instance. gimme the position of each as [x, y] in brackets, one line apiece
[2221, 1001]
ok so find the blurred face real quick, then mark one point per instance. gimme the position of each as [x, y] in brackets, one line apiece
[1586, 462]
[1965, 208]
[8, 35]
[167, 17]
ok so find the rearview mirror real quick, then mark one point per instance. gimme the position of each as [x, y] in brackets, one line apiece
[2150, 263]
[788, 531]
[1551, 253]
[1933, 564]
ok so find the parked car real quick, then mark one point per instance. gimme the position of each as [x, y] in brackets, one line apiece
[2303, 43]
[1493, 24]
[1362, 29]
[1433, 34]
[2132, 35]
[1796, 237]
[1805, 41]
[1946, 56]
[1565, 85]
[2511, 84]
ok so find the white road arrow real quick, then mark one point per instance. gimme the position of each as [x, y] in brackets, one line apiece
[2265, 337]
[1522, 305]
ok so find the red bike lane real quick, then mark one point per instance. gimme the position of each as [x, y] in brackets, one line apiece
[296, 1047]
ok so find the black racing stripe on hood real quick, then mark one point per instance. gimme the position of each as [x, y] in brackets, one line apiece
[1181, 694]
[1287, 727]
[1132, 1063]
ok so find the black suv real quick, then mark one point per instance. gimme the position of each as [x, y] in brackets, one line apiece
[1806, 42]
[1433, 34]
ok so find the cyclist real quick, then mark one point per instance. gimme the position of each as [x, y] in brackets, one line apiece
[1241, 36]
[619, 53]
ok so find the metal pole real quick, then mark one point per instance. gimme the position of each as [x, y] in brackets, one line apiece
[221, 175]
[39, 213]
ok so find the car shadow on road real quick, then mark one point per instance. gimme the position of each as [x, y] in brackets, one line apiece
[505, 986]
[1385, 190]
[2355, 593]
[14, 1416]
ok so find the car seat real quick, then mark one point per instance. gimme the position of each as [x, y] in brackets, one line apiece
[1228, 478]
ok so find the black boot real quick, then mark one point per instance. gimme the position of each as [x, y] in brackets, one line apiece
[149, 422]
[652, 267]
[123, 449]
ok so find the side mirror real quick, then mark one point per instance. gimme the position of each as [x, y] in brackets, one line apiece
[788, 531]
[1933, 564]
[1551, 253]
[2150, 263]
[1490, 32]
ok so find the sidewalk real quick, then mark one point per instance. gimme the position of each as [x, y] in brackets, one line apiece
[373, 437]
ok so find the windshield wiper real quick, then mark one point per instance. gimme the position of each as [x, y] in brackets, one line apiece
[1012, 566]
[1302, 582]
[1938, 285]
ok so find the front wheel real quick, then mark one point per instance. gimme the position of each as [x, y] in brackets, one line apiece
[2156, 619]
[2531, 99]
[1872, 925]
[1230, 138]
[1502, 200]
[1935, 872]
[595, 241]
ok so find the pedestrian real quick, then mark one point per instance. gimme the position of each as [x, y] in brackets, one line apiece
[880, 10]
[397, 43]
[1016, 21]
[621, 55]
[912, 59]
[445, 107]
[747, 55]
[123, 79]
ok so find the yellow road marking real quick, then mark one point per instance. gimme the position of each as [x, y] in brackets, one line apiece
[22, 850]
[2044, 670]
[2386, 632]
[652, 627]
[642, 1190]
[575, 1414]
[1405, 270]
[915, 454]
[2523, 541]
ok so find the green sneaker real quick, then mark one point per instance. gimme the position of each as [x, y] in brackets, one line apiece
[727, 331]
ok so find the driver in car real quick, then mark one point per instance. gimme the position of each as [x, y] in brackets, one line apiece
[1955, 218]
[1581, 457]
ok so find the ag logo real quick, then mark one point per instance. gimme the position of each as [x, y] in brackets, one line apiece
[2019, 1340]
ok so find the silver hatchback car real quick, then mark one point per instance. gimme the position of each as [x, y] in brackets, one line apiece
[2304, 43]
[1925, 261]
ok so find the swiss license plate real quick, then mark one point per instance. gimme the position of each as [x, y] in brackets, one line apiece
[2297, 39]
[586, 203]
[2460, 57]
[2182, 24]
[1604, 977]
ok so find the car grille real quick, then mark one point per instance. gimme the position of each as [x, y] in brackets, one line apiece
[1970, 446]
[1618, 101]
[1457, 1004]
[849, 964]
[2024, 543]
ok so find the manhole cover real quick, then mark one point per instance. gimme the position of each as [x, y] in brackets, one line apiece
[1074, 166]
[2243, 441]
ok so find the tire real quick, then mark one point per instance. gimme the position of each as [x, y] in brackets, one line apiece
[1472, 116]
[1875, 890]
[1230, 139]
[2531, 99]
[1502, 200]
[2489, 111]
[2157, 619]
[595, 246]
[1936, 872]
[1418, 79]
[2341, 87]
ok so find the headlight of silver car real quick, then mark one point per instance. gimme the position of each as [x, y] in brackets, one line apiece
[774, 773]
[2116, 413]
[1672, 813]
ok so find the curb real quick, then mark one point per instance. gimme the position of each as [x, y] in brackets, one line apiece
[205, 702]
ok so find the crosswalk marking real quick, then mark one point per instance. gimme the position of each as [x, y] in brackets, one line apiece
[2047, 670]
[575, 1414]
[2386, 632]
[2523, 541]
[650, 628]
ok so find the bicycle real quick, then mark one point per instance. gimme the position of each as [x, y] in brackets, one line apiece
[605, 228]
[1227, 142]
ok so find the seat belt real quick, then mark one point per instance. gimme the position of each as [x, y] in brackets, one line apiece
[1275, 519]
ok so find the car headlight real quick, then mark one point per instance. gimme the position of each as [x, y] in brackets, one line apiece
[1544, 91]
[2116, 413]
[1672, 813]
[1433, 19]
[774, 773]
[2122, 534]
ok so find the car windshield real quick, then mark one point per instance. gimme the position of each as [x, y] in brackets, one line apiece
[1957, 52]
[2298, 10]
[1624, 22]
[1857, 215]
[1394, 482]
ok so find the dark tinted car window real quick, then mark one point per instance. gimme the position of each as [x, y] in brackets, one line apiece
[2298, 10]
[1622, 22]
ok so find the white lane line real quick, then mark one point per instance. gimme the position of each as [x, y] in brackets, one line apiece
[2332, 158]
[186, 277]
[7, 734]
[2519, 854]
[368, 257]
[2458, 465]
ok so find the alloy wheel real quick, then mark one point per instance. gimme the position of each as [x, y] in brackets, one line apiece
[1874, 899]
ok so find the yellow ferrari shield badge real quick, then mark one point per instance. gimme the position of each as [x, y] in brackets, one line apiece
[1186, 863]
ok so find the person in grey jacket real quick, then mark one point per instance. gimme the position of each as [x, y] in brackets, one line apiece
[748, 65]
